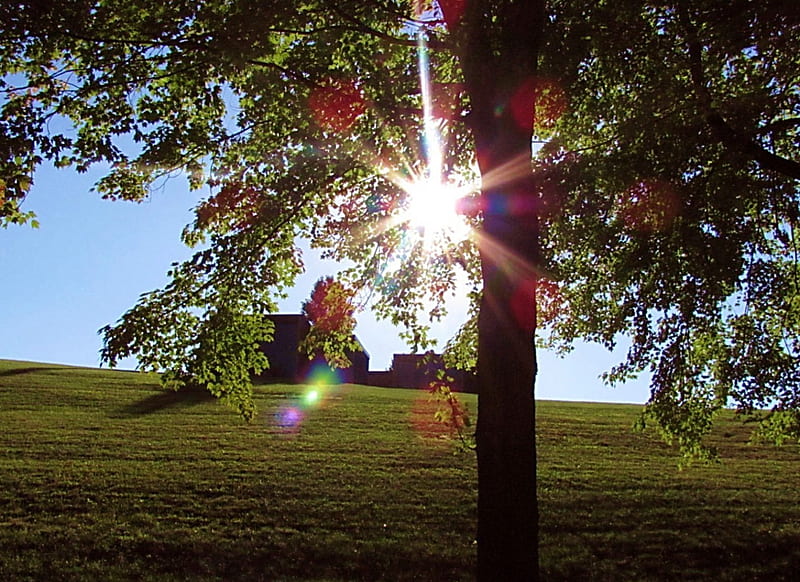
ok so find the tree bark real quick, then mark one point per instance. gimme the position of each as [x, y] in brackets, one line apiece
[506, 441]
[506, 432]
[497, 45]
[508, 524]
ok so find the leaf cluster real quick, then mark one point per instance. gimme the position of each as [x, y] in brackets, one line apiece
[671, 204]
[330, 310]
[205, 327]
[452, 412]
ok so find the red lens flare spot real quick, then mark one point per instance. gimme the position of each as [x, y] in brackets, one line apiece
[422, 417]
[235, 205]
[523, 304]
[337, 105]
[549, 301]
[537, 103]
[649, 206]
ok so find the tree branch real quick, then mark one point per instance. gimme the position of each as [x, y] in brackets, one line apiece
[779, 125]
[728, 135]
[739, 142]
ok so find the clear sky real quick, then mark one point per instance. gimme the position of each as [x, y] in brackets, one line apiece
[91, 259]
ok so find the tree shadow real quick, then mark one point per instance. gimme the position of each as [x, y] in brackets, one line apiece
[168, 399]
[266, 381]
[21, 371]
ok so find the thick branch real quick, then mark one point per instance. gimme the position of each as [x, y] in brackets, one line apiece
[779, 125]
[739, 142]
[728, 135]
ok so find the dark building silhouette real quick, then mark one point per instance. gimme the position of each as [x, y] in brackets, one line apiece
[415, 370]
[419, 370]
[382, 378]
[287, 362]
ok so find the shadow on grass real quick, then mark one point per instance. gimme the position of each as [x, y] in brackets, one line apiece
[21, 371]
[167, 399]
[676, 538]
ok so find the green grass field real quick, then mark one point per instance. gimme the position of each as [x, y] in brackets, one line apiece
[103, 476]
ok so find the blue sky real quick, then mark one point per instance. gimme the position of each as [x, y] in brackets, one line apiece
[91, 259]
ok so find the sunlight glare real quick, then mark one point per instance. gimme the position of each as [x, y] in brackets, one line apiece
[433, 209]
[311, 397]
[433, 197]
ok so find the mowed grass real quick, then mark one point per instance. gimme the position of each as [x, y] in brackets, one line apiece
[103, 476]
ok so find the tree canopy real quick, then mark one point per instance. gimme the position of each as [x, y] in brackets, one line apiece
[675, 204]
[659, 203]
[330, 311]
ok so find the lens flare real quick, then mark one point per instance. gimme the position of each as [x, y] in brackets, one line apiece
[422, 417]
[337, 105]
[433, 199]
[321, 374]
[649, 206]
[322, 389]
[288, 419]
[433, 210]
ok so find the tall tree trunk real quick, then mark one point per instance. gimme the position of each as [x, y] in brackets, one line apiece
[506, 441]
[497, 44]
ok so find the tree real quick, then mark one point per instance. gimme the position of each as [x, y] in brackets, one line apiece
[331, 312]
[662, 206]
[679, 180]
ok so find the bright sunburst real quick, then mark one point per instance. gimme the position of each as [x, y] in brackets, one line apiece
[433, 209]
[433, 198]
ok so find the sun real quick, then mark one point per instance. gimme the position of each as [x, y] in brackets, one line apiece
[433, 192]
[432, 209]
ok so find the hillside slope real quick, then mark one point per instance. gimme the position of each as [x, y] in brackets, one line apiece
[103, 476]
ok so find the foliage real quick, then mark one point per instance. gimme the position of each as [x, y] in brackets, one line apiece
[662, 206]
[330, 310]
[205, 327]
[461, 350]
[150, 90]
[671, 196]
[452, 412]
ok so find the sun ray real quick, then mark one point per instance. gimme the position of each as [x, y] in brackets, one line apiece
[418, 212]
[432, 141]
[432, 196]
[511, 171]
[524, 275]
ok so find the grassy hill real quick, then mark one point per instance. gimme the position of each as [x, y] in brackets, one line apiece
[103, 476]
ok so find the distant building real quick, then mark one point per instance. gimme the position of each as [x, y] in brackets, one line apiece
[415, 370]
[287, 362]
[419, 370]
[382, 378]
